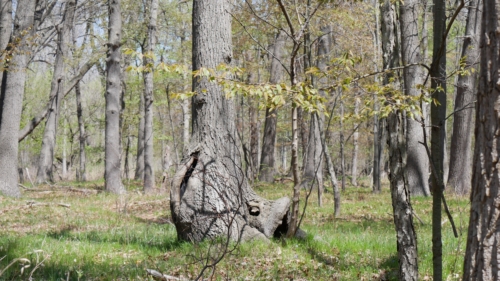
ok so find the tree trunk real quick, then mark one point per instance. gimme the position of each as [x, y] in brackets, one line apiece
[5, 27]
[313, 165]
[402, 210]
[46, 159]
[267, 168]
[355, 149]
[342, 145]
[210, 196]
[149, 176]
[459, 176]
[11, 99]
[483, 240]
[139, 163]
[417, 162]
[114, 94]
[82, 175]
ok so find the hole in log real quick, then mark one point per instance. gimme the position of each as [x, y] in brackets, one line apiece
[282, 229]
[254, 208]
[189, 173]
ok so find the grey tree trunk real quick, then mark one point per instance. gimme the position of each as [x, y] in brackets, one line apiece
[82, 175]
[57, 86]
[139, 164]
[400, 193]
[483, 239]
[438, 132]
[342, 144]
[313, 164]
[459, 176]
[210, 196]
[149, 176]
[267, 168]
[355, 149]
[5, 26]
[417, 162]
[114, 94]
[11, 99]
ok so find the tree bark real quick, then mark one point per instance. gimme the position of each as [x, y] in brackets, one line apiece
[139, 164]
[267, 168]
[483, 239]
[82, 175]
[342, 144]
[210, 196]
[355, 149]
[5, 28]
[46, 159]
[149, 176]
[417, 162]
[114, 94]
[313, 165]
[459, 176]
[11, 99]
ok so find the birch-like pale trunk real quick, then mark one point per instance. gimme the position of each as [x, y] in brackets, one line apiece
[82, 175]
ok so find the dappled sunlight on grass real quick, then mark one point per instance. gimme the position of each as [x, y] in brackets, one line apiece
[83, 236]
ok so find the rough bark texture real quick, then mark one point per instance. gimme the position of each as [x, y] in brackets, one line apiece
[483, 251]
[267, 168]
[210, 196]
[460, 171]
[57, 86]
[402, 210]
[139, 161]
[417, 162]
[313, 162]
[11, 99]
[5, 26]
[438, 132]
[112, 175]
[342, 144]
[149, 175]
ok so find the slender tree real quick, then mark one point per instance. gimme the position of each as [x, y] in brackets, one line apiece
[267, 160]
[483, 239]
[58, 84]
[114, 94]
[11, 97]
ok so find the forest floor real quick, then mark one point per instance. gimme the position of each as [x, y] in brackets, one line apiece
[74, 231]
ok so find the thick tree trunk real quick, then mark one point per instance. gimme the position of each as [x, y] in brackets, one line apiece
[58, 84]
[483, 239]
[459, 176]
[112, 175]
[417, 162]
[149, 175]
[267, 168]
[82, 175]
[11, 99]
[210, 196]
[5, 27]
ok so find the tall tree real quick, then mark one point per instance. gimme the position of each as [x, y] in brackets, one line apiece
[355, 148]
[400, 193]
[438, 131]
[114, 94]
[460, 171]
[267, 168]
[483, 239]
[149, 176]
[210, 196]
[418, 162]
[11, 96]
[58, 84]
[5, 26]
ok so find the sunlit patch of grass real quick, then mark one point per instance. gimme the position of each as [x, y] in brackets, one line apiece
[92, 240]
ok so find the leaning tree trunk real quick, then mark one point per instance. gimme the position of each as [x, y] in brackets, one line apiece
[58, 84]
[210, 196]
[482, 252]
[112, 174]
[149, 176]
[267, 168]
[11, 98]
[418, 163]
[459, 176]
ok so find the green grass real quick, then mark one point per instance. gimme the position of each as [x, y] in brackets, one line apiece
[91, 240]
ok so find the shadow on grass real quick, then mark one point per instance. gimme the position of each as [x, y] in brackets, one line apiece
[390, 266]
